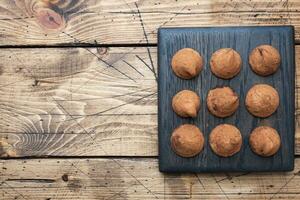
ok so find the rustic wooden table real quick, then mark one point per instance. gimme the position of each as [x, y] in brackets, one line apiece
[78, 99]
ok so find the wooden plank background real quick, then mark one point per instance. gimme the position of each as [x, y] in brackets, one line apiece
[126, 179]
[91, 106]
[34, 22]
[67, 102]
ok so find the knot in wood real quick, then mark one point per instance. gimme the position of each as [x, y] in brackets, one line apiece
[50, 19]
[102, 51]
[6, 149]
[65, 177]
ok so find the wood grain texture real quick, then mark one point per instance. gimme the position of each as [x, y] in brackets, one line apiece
[135, 179]
[33, 124]
[61, 22]
[206, 41]
[83, 101]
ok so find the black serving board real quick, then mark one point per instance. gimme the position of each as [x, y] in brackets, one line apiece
[243, 40]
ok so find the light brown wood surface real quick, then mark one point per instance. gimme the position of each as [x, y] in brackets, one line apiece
[67, 102]
[87, 107]
[136, 179]
[58, 22]
[79, 101]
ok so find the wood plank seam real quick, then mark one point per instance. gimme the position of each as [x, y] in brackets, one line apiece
[20, 18]
[93, 176]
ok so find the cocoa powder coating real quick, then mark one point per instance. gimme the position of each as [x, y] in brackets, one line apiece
[262, 100]
[222, 102]
[225, 140]
[187, 63]
[187, 140]
[186, 103]
[264, 60]
[225, 63]
[264, 141]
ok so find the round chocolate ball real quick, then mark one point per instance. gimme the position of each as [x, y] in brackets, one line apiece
[186, 103]
[225, 63]
[264, 141]
[187, 63]
[225, 140]
[187, 140]
[262, 100]
[222, 102]
[264, 60]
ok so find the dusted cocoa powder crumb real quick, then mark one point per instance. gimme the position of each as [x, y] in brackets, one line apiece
[186, 103]
[264, 60]
[187, 63]
[262, 100]
[264, 141]
[187, 140]
[225, 140]
[222, 102]
[225, 63]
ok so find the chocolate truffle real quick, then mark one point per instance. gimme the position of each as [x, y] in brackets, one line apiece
[225, 140]
[187, 140]
[262, 100]
[264, 60]
[222, 102]
[225, 63]
[264, 141]
[186, 103]
[187, 63]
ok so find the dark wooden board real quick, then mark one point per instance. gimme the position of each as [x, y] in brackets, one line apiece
[243, 40]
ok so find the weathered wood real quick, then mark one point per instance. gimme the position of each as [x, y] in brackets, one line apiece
[135, 179]
[65, 102]
[53, 100]
[47, 22]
